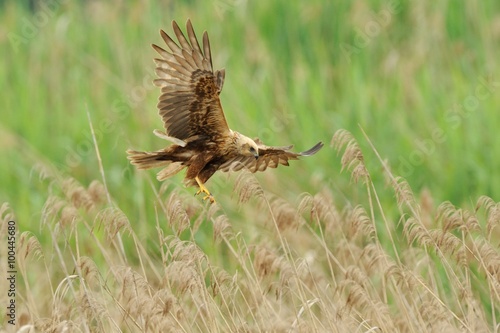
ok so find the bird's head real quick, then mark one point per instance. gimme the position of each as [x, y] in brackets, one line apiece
[246, 146]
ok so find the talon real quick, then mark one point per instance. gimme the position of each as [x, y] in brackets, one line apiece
[203, 189]
[210, 197]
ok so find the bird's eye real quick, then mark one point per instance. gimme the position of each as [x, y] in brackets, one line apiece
[252, 150]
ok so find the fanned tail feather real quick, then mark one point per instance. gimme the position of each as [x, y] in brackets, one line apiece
[148, 160]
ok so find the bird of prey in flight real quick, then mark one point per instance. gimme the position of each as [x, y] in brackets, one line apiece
[194, 121]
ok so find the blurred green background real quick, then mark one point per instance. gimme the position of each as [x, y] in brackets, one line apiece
[421, 78]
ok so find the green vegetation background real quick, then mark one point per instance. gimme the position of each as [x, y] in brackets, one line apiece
[421, 78]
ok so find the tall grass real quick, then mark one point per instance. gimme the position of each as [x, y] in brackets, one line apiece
[306, 266]
[305, 248]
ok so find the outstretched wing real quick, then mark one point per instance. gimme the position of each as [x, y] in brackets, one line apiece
[269, 157]
[189, 104]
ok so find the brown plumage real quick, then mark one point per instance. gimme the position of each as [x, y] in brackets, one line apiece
[194, 120]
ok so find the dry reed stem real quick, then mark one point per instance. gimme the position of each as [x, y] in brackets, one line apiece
[319, 266]
[352, 159]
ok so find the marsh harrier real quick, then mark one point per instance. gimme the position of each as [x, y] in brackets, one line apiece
[194, 121]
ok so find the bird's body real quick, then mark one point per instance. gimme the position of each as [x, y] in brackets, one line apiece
[194, 119]
[202, 157]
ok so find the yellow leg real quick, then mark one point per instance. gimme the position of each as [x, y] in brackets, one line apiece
[204, 190]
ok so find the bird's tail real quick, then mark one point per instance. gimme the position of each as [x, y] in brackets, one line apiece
[147, 160]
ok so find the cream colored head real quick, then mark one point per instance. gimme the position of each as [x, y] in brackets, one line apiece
[246, 146]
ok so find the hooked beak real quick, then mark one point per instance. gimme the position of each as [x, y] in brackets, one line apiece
[256, 155]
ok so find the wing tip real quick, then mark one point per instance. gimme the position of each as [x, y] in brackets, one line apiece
[313, 150]
[163, 33]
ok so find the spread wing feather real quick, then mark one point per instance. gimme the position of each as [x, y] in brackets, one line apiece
[269, 157]
[189, 104]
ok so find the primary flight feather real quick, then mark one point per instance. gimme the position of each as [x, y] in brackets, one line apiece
[194, 121]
